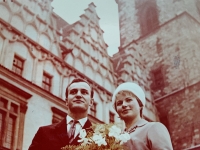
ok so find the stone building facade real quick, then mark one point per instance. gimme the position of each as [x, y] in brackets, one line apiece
[161, 40]
[40, 54]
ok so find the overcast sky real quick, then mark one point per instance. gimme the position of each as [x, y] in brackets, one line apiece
[107, 10]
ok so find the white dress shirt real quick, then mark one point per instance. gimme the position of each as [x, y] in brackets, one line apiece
[78, 126]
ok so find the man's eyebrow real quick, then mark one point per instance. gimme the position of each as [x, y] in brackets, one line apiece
[73, 89]
[85, 89]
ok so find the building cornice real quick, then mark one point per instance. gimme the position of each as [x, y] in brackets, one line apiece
[8, 74]
[14, 89]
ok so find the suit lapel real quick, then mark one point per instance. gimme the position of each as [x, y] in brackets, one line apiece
[61, 131]
[87, 126]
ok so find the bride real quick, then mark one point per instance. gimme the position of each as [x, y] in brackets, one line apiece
[128, 100]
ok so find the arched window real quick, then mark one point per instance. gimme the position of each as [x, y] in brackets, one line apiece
[149, 19]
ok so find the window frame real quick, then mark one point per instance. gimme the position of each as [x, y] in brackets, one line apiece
[16, 66]
[5, 124]
[14, 95]
[47, 85]
[148, 12]
[158, 81]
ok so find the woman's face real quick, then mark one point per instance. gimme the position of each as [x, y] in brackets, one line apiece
[127, 105]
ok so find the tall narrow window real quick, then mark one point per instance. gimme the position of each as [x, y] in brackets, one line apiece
[158, 79]
[46, 82]
[112, 116]
[159, 46]
[8, 114]
[10, 132]
[2, 119]
[93, 109]
[13, 106]
[18, 64]
[148, 19]
[151, 19]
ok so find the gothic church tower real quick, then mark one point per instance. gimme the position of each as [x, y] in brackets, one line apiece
[137, 18]
[159, 49]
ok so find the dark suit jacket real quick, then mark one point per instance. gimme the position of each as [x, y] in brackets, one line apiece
[53, 137]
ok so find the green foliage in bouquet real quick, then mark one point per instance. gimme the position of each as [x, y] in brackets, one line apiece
[103, 137]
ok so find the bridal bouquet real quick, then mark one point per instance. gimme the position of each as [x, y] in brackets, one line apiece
[103, 137]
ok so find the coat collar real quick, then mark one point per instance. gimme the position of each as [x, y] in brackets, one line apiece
[87, 127]
[139, 123]
[61, 129]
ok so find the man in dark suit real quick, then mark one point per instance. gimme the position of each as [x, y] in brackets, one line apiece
[79, 97]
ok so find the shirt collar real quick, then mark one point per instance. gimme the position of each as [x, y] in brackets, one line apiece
[81, 121]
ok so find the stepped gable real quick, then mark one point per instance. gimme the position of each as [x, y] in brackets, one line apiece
[61, 23]
[88, 29]
[89, 50]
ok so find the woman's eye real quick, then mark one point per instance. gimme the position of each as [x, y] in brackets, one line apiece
[119, 103]
[129, 99]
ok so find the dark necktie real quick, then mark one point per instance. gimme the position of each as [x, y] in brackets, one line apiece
[72, 130]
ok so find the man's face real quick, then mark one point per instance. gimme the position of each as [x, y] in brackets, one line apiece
[79, 97]
[127, 105]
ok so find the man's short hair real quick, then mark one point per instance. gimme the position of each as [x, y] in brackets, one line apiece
[78, 80]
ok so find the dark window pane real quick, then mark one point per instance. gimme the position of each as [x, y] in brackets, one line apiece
[158, 79]
[13, 108]
[14, 69]
[3, 103]
[18, 71]
[2, 120]
[10, 132]
[14, 61]
[149, 20]
[18, 65]
[46, 82]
